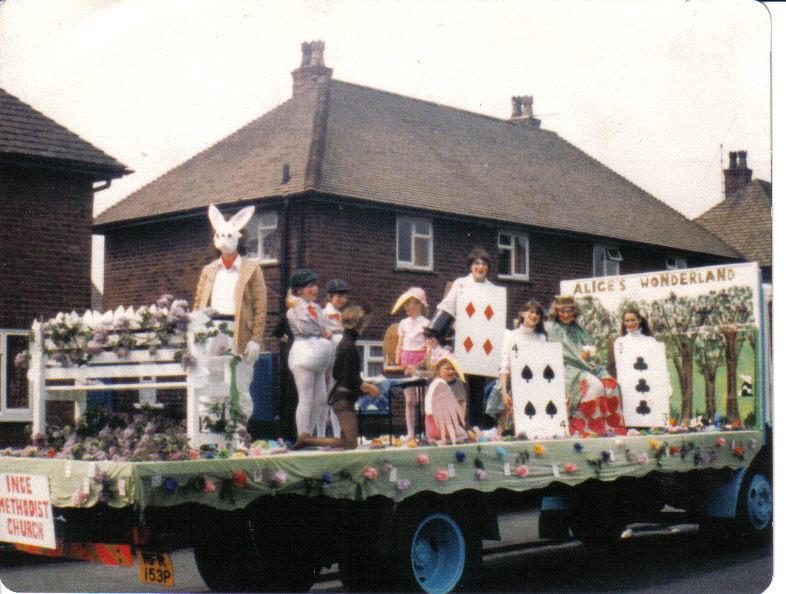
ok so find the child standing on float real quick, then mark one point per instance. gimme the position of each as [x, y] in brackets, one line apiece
[411, 347]
[337, 294]
[312, 351]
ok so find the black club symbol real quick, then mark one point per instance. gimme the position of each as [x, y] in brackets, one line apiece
[643, 409]
[640, 364]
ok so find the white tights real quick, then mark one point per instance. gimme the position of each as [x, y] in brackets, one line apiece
[311, 400]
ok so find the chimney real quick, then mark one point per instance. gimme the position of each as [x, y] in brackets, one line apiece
[737, 176]
[312, 72]
[522, 111]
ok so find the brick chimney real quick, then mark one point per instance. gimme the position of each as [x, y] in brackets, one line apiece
[737, 176]
[522, 111]
[312, 72]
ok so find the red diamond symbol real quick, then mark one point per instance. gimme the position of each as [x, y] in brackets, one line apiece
[488, 312]
[470, 309]
[487, 346]
[468, 343]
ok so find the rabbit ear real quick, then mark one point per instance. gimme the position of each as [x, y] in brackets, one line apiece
[217, 220]
[239, 219]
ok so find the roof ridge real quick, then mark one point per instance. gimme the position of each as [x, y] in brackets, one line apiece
[109, 209]
[443, 106]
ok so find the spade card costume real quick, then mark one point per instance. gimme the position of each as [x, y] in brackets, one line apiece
[644, 379]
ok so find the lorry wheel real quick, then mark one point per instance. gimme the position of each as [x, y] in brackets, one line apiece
[754, 507]
[437, 553]
[226, 568]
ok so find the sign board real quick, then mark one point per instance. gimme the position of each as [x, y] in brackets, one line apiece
[480, 327]
[26, 510]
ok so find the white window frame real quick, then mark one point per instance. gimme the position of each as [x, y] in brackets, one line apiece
[366, 358]
[510, 248]
[11, 414]
[411, 264]
[606, 254]
[259, 228]
[677, 263]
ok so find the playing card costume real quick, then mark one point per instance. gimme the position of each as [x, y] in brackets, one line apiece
[233, 287]
[310, 357]
[515, 342]
[593, 394]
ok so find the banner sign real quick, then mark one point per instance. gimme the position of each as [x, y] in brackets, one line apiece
[26, 510]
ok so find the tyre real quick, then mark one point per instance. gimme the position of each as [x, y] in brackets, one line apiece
[227, 568]
[754, 507]
[436, 551]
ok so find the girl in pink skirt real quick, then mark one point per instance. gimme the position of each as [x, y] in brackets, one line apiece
[411, 347]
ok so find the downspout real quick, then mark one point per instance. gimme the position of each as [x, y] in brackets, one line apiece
[104, 186]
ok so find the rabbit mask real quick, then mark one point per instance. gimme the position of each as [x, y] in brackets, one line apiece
[227, 233]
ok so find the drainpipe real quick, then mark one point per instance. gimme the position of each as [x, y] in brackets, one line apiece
[104, 186]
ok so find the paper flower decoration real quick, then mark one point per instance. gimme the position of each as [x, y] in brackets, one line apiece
[209, 455]
[460, 456]
[79, 497]
[618, 442]
[279, 478]
[327, 477]
[412, 443]
[210, 486]
[222, 454]
[192, 454]
[570, 467]
[480, 474]
[674, 450]
[255, 452]
[239, 478]
[739, 452]
[578, 447]
[238, 454]
[538, 449]
[751, 444]
[502, 453]
[422, 459]
[642, 458]
[402, 484]
[654, 444]
[441, 475]
[720, 442]
[370, 473]
[51, 453]
[522, 471]
[170, 485]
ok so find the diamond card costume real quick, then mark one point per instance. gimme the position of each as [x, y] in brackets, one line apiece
[480, 327]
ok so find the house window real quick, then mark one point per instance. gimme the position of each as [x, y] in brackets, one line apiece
[372, 358]
[414, 243]
[14, 400]
[674, 263]
[606, 260]
[513, 251]
[263, 237]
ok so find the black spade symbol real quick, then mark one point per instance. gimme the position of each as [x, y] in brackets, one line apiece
[529, 410]
[642, 408]
[526, 373]
[551, 410]
[548, 373]
[640, 364]
[642, 386]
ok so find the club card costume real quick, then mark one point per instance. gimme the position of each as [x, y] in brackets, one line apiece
[644, 379]
[234, 286]
[480, 310]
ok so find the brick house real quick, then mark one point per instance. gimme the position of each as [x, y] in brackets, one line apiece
[47, 177]
[388, 191]
[744, 217]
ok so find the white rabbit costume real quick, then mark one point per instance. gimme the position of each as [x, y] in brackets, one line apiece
[234, 286]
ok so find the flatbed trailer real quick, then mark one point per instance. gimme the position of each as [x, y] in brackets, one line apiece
[411, 518]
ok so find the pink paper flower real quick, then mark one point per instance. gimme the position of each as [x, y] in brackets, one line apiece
[422, 459]
[79, 497]
[255, 452]
[240, 478]
[279, 478]
[442, 475]
[480, 474]
[370, 473]
[642, 458]
[193, 454]
[402, 484]
[522, 471]
[210, 486]
[570, 467]
[720, 442]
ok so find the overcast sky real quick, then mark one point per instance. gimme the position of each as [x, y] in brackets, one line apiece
[652, 89]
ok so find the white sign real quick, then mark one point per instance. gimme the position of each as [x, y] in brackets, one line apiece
[611, 291]
[481, 310]
[26, 510]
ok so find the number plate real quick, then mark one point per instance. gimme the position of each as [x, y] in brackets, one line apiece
[156, 568]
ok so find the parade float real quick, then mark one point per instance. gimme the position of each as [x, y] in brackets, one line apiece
[122, 489]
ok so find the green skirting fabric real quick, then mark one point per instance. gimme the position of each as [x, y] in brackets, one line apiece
[234, 483]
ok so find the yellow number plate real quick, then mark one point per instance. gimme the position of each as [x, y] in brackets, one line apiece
[156, 568]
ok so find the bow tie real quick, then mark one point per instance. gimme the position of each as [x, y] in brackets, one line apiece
[229, 261]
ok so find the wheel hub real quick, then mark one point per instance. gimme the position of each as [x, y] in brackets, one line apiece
[759, 502]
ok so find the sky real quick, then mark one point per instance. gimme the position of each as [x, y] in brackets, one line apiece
[652, 89]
